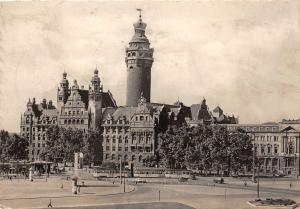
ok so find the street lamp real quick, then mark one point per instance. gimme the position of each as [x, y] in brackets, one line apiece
[253, 159]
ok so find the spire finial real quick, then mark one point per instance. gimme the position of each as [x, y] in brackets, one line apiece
[140, 10]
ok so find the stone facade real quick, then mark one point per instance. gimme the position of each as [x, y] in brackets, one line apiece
[76, 108]
[276, 145]
[34, 123]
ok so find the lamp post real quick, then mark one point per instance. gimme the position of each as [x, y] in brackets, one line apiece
[253, 159]
[258, 167]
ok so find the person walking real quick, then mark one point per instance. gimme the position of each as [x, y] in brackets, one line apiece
[50, 204]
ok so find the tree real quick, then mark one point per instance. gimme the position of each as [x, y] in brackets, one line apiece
[12, 147]
[204, 147]
[61, 144]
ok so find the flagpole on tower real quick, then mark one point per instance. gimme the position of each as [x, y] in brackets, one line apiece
[140, 10]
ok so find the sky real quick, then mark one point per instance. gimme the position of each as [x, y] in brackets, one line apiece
[241, 55]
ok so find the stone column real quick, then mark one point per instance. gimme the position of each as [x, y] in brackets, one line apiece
[30, 174]
[74, 185]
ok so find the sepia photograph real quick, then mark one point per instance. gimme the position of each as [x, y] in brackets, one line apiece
[171, 104]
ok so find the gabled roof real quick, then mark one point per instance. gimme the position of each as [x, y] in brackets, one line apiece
[289, 129]
[218, 109]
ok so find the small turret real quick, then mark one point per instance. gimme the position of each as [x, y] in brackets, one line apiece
[96, 81]
[62, 92]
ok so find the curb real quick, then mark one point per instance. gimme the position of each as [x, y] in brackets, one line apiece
[74, 196]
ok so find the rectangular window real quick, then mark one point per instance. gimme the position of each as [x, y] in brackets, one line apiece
[113, 148]
[126, 149]
[107, 148]
[119, 148]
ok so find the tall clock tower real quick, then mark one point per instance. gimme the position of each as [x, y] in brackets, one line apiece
[139, 59]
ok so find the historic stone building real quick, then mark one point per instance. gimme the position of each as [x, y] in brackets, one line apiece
[34, 123]
[80, 108]
[277, 145]
[200, 114]
[129, 133]
[76, 108]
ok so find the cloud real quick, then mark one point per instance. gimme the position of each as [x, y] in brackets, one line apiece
[243, 56]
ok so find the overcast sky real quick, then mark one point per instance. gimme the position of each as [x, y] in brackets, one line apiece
[243, 56]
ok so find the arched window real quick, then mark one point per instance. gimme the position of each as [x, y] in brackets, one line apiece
[113, 156]
[128, 54]
[120, 139]
[125, 157]
[73, 121]
[133, 157]
[133, 54]
[65, 121]
[77, 121]
[140, 158]
[69, 122]
[82, 121]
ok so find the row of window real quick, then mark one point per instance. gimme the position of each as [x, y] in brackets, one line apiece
[119, 140]
[38, 145]
[117, 122]
[115, 130]
[267, 149]
[78, 112]
[267, 138]
[134, 140]
[133, 149]
[125, 158]
[46, 121]
[73, 121]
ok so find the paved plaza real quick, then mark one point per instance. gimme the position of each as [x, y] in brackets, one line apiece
[200, 194]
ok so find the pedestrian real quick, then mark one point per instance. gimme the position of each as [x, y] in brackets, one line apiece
[290, 184]
[50, 204]
[245, 184]
[62, 186]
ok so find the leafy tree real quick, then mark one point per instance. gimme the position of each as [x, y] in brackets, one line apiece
[62, 143]
[12, 147]
[204, 147]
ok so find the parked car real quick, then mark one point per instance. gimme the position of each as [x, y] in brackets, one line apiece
[219, 180]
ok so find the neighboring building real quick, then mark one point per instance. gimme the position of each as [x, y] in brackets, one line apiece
[276, 145]
[76, 108]
[34, 123]
[80, 108]
[202, 115]
[129, 133]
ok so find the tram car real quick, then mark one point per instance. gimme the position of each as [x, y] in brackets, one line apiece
[149, 172]
[109, 173]
[161, 173]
